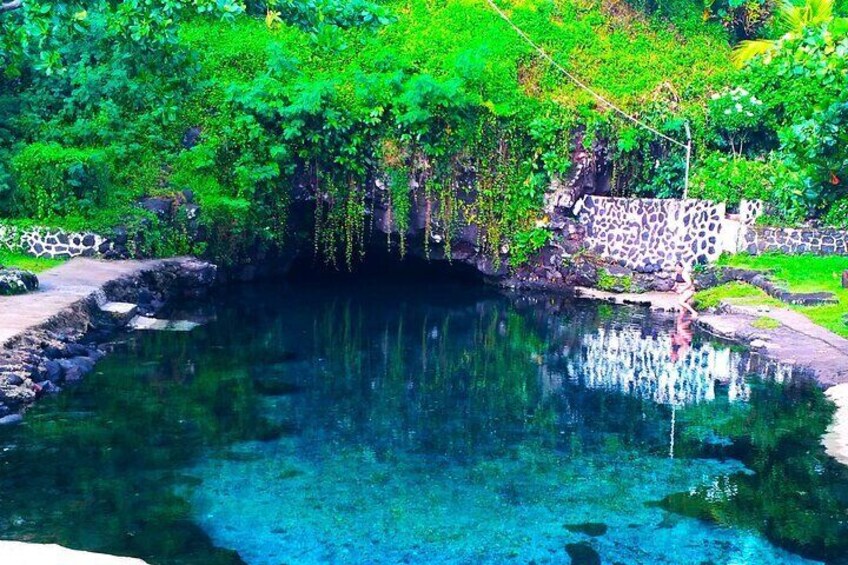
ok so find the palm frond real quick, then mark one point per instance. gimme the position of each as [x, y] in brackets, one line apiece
[795, 19]
[747, 50]
[821, 11]
[791, 18]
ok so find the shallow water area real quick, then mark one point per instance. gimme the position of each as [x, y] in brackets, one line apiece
[424, 423]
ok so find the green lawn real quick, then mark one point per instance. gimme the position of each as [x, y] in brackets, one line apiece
[21, 261]
[800, 273]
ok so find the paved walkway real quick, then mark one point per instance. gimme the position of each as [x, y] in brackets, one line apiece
[60, 288]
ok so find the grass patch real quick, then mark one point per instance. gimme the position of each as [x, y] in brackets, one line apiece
[765, 323]
[736, 293]
[805, 273]
[27, 262]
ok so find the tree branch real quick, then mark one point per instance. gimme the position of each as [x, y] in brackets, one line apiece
[9, 6]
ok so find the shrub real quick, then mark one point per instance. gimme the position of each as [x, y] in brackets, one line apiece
[730, 179]
[526, 243]
[837, 216]
[55, 181]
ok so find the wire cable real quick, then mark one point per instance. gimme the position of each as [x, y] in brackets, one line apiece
[583, 85]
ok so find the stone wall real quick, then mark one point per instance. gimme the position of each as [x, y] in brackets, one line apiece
[756, 239]
[820, 241]
[649, 235]
[58, 244]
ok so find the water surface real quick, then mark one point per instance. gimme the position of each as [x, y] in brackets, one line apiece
[438, 423]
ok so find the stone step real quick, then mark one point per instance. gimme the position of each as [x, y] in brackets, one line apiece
[155, 324]
[122, 312]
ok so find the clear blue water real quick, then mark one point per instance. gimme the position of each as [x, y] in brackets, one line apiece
[433, 423]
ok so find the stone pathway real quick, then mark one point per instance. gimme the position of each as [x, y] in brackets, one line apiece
[59, 289]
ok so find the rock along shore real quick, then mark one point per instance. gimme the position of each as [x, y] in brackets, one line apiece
[54, 336]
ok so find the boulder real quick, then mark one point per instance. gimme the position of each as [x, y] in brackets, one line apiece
[16, 281]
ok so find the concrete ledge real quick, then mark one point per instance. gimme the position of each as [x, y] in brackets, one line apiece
[20, 553]
[662, 301]
[42, 345]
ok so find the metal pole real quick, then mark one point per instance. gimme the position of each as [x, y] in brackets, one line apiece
[688, 159]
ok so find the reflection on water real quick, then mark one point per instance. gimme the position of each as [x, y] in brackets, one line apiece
[429, 424]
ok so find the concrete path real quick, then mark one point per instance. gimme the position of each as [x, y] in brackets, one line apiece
[20, 553]
[60, 288]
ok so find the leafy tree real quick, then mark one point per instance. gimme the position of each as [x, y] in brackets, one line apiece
[37, 30]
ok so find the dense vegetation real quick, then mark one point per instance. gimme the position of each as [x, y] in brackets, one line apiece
[252, 106]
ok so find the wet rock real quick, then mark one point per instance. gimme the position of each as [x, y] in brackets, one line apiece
[11, 419]
[74, 369]
[48, 387]
[75, 350]
[593, 529]
[582, 554]
[13, 379]
[16, 281]
[162, 207]
[584, 273]
[191, 137]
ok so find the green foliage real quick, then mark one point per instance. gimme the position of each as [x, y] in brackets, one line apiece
[55, 181]
[39, 31]
[736, 115]
[792, 22]
[837, 216]
[315, 15]
[526, 243]
[729, 179]
[614, 283]
[744, 19]
[798, 121]
[302, 105]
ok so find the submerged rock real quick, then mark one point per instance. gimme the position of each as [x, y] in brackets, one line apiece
[16, 281]
[11, 419]
[593, 529]
[582, 554]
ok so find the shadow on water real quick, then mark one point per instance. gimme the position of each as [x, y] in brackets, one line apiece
[347, 398]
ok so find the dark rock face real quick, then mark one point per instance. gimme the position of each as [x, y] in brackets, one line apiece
[160, 206]
[44, 359]
[844, 279]
[16, 281]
